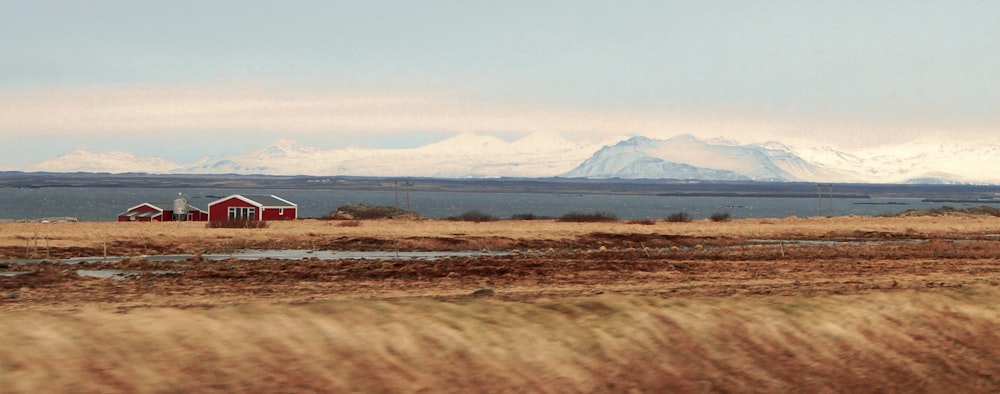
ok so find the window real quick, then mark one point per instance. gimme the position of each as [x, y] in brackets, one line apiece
[242, 213]
[281, 211]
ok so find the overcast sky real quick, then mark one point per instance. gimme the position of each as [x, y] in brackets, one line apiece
[184, 79]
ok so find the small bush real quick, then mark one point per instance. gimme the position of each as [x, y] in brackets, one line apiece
[948, 210]
[237, 224]
[523, 216]
[474, 216]
[647, 222]
[588, 217]
[370, 212]
[679, 217]
[720, 217]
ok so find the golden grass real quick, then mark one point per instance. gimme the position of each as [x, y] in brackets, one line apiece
[16, 234]
[888, 342]
[882, 336]
[300, 233]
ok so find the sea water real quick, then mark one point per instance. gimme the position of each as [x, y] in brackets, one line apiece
[105, 203]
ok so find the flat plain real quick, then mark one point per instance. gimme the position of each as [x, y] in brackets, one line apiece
[753, 305]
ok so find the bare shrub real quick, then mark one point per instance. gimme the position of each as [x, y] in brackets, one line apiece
[647, 222]
[720, 217]
[237, 224]
[588, 217]
[474, 216]
[679, 217]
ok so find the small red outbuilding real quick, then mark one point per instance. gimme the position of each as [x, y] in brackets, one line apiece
[159, 212]
[251, 207]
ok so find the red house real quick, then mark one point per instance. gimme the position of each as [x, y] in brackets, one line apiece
[251, 207]
[159, 212]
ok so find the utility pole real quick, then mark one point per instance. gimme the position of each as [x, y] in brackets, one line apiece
[407, 185]
[819, 196]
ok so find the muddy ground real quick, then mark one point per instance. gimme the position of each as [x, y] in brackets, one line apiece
[636, 260]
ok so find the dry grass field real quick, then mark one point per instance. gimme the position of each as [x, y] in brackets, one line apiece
[888, 342]
[847, 304]
[19, 240]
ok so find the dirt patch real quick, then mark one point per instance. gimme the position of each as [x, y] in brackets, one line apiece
[44, 276]
[544, 259]
[642, 240]
[519, 277]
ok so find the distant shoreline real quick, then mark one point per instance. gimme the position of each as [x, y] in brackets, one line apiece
[761, 195]
[962, 200]
[664, 187]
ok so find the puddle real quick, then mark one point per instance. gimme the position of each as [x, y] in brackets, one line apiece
[118, 274]
[295, 254]
[852, 242]
[14, 273]
[105, 274]
[287, 254]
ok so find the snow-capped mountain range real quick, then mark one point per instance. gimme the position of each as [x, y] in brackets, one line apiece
[687, 157]
[545, 155]
[463, 156]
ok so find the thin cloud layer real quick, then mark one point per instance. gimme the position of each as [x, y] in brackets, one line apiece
[229, 108]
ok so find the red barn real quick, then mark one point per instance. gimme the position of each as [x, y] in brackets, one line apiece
[251, 207]
[159, 212]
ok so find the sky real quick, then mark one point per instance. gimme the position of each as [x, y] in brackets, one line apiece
[187, 79]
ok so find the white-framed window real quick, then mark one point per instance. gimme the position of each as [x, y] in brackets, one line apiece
[242, 213]
[281, 211]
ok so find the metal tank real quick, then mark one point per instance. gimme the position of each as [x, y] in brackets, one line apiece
[180, 207]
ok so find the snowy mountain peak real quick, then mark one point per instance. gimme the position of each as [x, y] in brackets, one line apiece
[689, 138]
[282, 149]
[86, 160]
[637, 141]
[921, 161]
[687, 157]
[468, 142]
[776, 146]
[722, 141]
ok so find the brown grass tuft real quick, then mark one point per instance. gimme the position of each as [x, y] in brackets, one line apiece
[349, 223]
[592, 217]
[237, 224]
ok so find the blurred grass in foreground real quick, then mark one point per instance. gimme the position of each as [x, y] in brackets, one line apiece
[896, 342]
